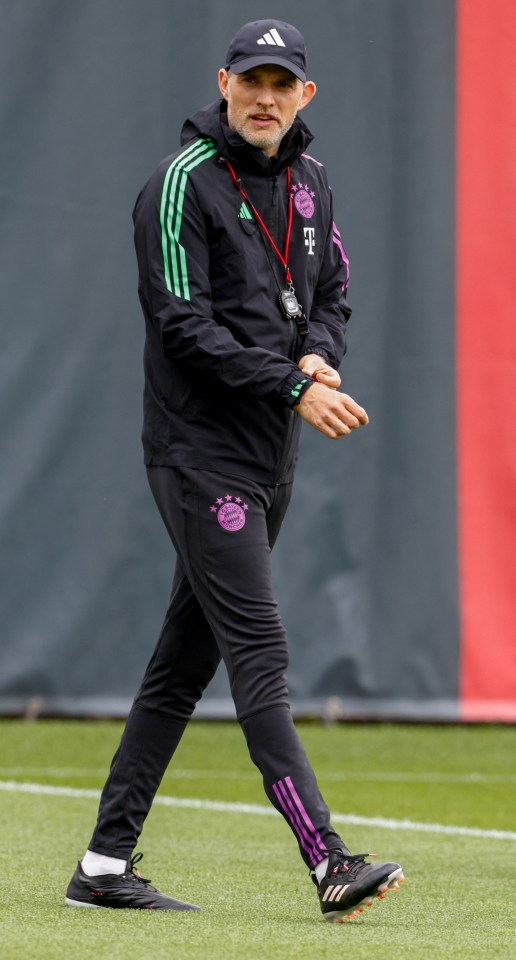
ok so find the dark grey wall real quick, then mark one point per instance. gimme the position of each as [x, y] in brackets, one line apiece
[92, 96]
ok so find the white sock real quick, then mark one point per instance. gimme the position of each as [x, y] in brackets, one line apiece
[321, 868]
[96, 864]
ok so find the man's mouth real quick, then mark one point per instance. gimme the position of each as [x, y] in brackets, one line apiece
[263, 119]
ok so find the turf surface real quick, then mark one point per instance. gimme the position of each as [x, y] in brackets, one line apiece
[244, 869]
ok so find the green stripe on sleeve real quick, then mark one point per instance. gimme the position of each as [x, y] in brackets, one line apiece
[164, 197]
[171, 214]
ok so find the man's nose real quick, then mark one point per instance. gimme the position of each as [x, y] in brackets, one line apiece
[265, 95]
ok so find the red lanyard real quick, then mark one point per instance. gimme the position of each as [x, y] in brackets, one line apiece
[283, 257]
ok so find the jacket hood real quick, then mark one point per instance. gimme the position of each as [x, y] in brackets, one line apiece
[211, 121]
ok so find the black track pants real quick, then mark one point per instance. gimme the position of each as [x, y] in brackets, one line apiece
[222, 604]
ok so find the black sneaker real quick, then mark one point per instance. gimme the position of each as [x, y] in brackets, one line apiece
[129, 890]
[351, 884]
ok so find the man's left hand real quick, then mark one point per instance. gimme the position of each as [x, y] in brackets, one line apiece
[316, 367]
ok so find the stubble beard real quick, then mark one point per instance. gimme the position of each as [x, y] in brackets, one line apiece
[263, 140]
[263, 143]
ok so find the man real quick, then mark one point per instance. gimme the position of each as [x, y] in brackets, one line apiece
[242, 280]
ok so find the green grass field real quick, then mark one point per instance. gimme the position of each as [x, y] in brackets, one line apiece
[244, 868]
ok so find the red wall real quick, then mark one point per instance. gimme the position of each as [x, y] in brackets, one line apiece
[486, 355]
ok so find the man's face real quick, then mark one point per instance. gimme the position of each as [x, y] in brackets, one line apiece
[263, 103]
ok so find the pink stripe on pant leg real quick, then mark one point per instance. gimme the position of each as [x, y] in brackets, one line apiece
[299, 820]
[292, 822]
[306, 818]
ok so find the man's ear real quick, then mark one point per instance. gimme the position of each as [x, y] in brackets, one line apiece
[309, 91]
[223, 82]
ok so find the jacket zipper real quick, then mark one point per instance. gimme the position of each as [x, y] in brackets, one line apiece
[274, 209]
[293, 336]
[291, 420]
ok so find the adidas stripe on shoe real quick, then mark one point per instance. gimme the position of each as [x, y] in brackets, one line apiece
[351, 884]
[128, 890]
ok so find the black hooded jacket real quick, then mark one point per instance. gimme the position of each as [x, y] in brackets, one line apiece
[221, 358]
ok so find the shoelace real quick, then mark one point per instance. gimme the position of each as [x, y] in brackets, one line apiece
[132, 868]
[347, 866]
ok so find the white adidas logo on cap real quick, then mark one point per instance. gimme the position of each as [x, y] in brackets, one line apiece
[272, 38]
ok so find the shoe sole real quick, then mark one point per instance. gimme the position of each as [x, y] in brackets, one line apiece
[191, 908]
[81, 903]
[392, 882]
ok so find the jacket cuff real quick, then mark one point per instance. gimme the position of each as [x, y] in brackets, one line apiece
[296, 384]
[318, 352]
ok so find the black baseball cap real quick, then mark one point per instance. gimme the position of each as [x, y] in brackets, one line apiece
[267, 41]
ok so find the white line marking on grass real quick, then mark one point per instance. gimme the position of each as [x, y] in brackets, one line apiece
[10, 786]
[371, 777]
[53, 771]
[334, 775]
[45, 789]
[467, 778]
[472, 778]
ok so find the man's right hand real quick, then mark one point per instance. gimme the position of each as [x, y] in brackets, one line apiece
[333, 413]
